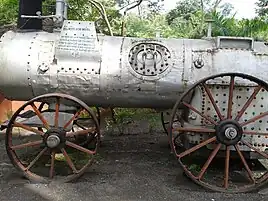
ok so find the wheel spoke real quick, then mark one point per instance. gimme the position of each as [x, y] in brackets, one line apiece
[51, 172]
[36, 158]
[230, 102]
[206, 165]
[254, 119]
[80, 148]
[40, 116]
[222, 133]
[254, 133]
[263, 178]
[41, 106]
[57, 108]
[255, 149]
[50, 138]
[256, 91]
[81, 132]
[28, 128]
[195, 110]
[250, 174]
[73, 118]
[29, 144]
[202, 144]
[213, 101]
[68, 160]
[193, 129]
[227, 163]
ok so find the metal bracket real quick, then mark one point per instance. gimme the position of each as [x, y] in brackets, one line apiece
[235, 43]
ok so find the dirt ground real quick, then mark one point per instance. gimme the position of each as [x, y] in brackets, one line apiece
[131, 168]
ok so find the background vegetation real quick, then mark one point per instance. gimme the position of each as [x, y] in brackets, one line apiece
[187, 19]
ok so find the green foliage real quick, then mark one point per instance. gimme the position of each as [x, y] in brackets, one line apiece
[8, 11]
[186, 20]
[262, 8]
[189, 18]
[184, 9]
[193, 27]
[125, 116]
[147, 28]
[256, 27]
[84, 10]
[153, 6]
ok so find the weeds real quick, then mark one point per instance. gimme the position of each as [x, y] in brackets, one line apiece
[125, 116]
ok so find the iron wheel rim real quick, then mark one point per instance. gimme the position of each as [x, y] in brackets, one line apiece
[255, 186]
[35, 177]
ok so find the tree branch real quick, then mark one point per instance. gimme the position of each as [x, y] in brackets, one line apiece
[134, 6]
[102, 11]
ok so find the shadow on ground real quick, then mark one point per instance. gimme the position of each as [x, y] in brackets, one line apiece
[134, 167]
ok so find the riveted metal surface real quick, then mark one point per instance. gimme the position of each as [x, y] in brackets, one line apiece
[78, 43]
[43, 71]
[109, 71]
[15, 65]
[241, 94]
[223, 60]
[149, 58]
[166, 57]
[78, 59]
[142, 89]
[97, 70]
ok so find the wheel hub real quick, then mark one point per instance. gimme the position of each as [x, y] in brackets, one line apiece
[53, 141]
[229, 132]
[55, 138]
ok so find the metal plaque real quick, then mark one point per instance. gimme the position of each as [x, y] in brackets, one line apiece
[78, 42]
[78, 39]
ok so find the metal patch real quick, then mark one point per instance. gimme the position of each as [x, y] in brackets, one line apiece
[77, 38]
[78, 43]
[42, 70]
[149, 59]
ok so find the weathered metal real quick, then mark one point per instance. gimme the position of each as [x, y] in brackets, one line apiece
[109, 71]
[55, 137]
[225, 113]
[223, 130]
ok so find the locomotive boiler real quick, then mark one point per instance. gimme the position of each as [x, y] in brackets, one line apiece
[215, 86]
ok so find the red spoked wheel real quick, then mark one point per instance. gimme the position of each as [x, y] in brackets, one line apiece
[52, 152]
[224, 132]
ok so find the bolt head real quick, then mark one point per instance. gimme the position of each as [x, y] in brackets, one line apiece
[231, 133]
[53, 141]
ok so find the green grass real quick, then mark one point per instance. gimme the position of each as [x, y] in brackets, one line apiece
[125, 116]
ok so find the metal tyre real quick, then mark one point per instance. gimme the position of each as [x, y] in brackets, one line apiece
[51, 153]
[165, 117]
[81, 123]
[224, 133]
